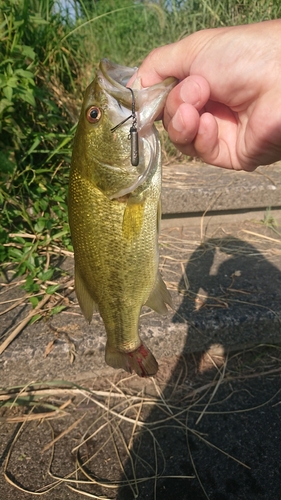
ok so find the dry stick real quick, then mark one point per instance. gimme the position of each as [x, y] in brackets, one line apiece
[17, 303]
[39, 392]
[11, 286]
[159, 392]
[63, 433]
[34, 416]
[261, 236]
[90, 495]
[23, 323]
[222, 375]
[209, 207]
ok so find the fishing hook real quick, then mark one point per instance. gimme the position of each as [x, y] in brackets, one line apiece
[133, 134]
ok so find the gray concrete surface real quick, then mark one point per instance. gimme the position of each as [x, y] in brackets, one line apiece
[224, 273]
[224, 277]
[194, 188]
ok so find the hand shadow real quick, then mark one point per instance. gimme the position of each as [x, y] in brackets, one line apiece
[231, 301]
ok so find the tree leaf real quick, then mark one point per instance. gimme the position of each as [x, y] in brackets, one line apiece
[28, 97]
[6, 165]
[8, 93]
[35, 318]
[34, 301]
[46, 275]
[24, 73]
[28, 51]
[40, 225]
[12, 82]
[52, 289]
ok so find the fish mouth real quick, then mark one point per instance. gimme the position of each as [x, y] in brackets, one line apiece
[116, 74]
[113, 78]
[148, 103]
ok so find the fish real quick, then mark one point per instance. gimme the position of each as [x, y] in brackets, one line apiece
[115, 210]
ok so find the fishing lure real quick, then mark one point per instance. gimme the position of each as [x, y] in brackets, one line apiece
[133, 135]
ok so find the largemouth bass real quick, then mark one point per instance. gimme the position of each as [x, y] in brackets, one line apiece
[114, 211]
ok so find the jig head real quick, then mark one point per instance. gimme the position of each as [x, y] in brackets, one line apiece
[133, 135]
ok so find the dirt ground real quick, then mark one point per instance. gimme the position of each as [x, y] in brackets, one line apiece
[208, 426]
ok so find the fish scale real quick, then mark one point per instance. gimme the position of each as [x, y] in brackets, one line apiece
[115, 235]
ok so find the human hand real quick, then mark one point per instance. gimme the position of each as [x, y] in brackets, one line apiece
[226, 108]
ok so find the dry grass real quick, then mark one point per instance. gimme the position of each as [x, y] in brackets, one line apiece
[178, 245]
[103, 426]
[47, 305]
[81, 433]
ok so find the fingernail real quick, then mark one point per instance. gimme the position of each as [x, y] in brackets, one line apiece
[190, 92]
[177, 122]
[132, 79]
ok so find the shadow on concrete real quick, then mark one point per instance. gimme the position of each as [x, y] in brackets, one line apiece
[233, 299]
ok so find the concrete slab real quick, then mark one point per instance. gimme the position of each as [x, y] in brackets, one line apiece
[194, 188]
[226, 288]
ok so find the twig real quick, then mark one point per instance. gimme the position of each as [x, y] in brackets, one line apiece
[63, 433]
[23, 323]
[261, 236]
[17, 303]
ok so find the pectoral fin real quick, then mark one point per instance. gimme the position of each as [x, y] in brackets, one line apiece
[85, 300]
[132, 221]
[159, 297]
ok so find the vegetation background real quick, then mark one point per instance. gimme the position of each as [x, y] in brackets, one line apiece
[49, 51]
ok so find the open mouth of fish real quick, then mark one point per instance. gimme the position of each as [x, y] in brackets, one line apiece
[140, 106]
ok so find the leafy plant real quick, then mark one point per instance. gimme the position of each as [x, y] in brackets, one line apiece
[36, 130]
[48, 53]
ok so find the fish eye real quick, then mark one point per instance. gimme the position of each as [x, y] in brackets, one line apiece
[93, 114]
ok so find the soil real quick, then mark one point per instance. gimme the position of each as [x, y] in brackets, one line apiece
[217, 436]
[207, 426]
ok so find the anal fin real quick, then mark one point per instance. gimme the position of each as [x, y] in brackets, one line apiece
[87, 304]
[159, 297]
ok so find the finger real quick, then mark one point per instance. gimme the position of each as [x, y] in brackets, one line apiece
[207, 143]
[215, 144]
[183, 128]
[181, 114]
[198, 135]
[192, 90]
[154, 69]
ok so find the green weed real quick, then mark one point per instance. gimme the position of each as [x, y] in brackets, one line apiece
[37, 127]
[48, 54]
[270, 221]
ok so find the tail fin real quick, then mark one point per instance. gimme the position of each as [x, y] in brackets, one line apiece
[141, 360]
